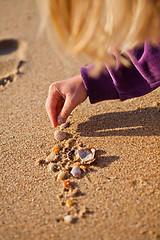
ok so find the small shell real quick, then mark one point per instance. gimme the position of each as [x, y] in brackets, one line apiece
[59, 135]
[69, 203]
[51, 157]
[55, 148]
[76, 172]
[83, 167]
[87, 155]
[51, 167]
[64, 125]
[61, 175]
[68, 219]
[66, 183]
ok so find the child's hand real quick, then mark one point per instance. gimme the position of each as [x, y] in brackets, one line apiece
[63, 97]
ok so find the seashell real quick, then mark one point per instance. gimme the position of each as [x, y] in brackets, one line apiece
[68, 219]
[86, 155]
[64, 125]
[52, 157]
[56, 148]
[76, 172]
[83, 167]
[61, 175]
[51, 167]
[69, 203]
[59, 135]
[67, 183]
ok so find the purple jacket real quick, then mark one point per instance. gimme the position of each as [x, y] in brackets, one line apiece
[140, 78]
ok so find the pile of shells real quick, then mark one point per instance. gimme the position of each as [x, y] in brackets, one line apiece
[68, 161]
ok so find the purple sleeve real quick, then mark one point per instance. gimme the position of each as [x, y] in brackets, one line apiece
[140, 78]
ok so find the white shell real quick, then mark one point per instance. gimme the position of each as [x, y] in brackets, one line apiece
[64, 125]
[59, 135]
[51, 167]
[68, 219]
[76, 172]
[87, 155]
[52, 157]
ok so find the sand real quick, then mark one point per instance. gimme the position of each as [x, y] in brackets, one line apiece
[120, 190]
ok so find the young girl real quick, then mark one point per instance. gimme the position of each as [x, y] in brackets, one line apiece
[122, 38]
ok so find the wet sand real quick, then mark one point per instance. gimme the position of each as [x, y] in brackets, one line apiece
[120, 190]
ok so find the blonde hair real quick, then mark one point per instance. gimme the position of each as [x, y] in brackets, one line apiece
[101, 28]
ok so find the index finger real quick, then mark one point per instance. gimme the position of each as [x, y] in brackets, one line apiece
[52, 103]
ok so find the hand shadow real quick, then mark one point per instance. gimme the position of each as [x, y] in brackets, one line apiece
[140, 122]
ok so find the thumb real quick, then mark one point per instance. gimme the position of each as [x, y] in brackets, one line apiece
[66, 110]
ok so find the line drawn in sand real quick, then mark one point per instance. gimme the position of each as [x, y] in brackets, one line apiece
[12, 57]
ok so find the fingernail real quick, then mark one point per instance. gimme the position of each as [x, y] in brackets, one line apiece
[59, 120]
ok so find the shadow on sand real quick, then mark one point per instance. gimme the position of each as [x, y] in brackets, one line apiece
[140, 122]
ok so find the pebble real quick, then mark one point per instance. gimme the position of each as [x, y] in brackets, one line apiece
[76, 172]
[61, 175]
[68, 219]
[67, 183]
[55, 148]
[51, 157]
[59, 135]
[69, 203]
[51, 167]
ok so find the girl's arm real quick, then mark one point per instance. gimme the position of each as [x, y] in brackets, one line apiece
[122, 83]
[140, 78]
